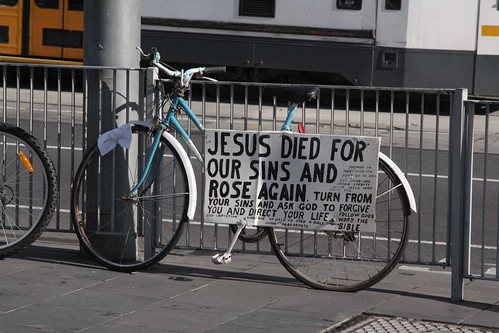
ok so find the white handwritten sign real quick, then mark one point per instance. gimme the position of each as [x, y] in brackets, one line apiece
[292, 180]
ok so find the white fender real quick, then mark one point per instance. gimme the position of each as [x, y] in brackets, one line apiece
[191, 177]
[405, 183]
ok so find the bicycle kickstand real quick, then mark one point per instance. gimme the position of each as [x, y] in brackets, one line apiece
[225, 258]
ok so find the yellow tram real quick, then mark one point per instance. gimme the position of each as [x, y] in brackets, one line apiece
[43, 29]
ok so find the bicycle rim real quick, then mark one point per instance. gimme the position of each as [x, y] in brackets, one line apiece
[28, 189]
[128, 234]
[348, 261]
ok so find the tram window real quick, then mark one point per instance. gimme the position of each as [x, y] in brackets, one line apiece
[64, 38]
[349, 4]
[4, 34]
[75, 5]
[393, 4]
[48, 4]
[8, 2]
[257, 8]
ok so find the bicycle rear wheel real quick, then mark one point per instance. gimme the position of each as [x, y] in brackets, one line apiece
[28, 189]
[130, 233]
[349, 261]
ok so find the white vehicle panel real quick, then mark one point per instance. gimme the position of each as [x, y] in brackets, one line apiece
[302, 13]
[488, 28]
[429, 25]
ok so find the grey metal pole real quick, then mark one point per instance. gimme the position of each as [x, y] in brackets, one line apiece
[468, 184]
[456, 192]
[111, 35]
[112, 32]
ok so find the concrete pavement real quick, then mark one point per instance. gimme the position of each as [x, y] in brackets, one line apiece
[51, 288]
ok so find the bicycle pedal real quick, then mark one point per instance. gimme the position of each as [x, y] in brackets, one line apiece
[221, 258]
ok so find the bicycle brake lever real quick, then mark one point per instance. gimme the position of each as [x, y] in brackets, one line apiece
[141, 52]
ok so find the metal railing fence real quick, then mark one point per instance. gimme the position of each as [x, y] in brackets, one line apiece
[51, 102]
[415, 126]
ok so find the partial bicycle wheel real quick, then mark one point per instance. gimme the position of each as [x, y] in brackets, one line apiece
[349, 261]
[28, 189]
[130, 232]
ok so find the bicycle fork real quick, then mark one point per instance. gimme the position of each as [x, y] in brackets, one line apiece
[225, 258]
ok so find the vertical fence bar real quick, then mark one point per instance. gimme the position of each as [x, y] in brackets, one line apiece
[456, 134]
[30, 127]
[420, 166]
[246, 108]
[18, 96]
[45, 107]
[468, 183]
[347, 112]
[4, 93]
[58, 144]
[231, 107]
[318, 118]
[334, 103]
[31, 98]
[362, 115]
[435, 180]
[73, 129]
[484, 188]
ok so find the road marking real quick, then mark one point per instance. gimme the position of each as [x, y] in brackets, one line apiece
[491, 271]
[42, 110]
[474, 246]
[65, 148]
[425, 175]
[422, 269]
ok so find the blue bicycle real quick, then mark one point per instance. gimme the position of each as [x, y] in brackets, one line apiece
[131, 205]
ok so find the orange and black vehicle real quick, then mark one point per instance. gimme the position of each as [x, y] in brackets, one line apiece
[44, 30]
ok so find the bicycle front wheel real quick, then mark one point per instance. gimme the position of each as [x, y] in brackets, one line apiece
[28, 189]
[349, 261]
[130, 231]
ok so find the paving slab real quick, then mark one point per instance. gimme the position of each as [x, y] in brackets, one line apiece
[50, 287]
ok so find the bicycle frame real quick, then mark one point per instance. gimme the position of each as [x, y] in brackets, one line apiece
[171, 121]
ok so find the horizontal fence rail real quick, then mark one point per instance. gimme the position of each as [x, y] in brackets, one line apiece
[413, 124]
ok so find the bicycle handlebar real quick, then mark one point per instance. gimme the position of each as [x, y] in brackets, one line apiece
[185, 76]
[215, 69]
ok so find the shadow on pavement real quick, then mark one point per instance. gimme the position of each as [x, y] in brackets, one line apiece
[72, 257]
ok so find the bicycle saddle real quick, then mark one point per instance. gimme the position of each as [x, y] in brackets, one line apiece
[296, 94]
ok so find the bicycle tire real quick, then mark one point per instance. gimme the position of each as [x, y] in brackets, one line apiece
[348, 261]
[250, 234]
[28, 189]
[130, 234]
